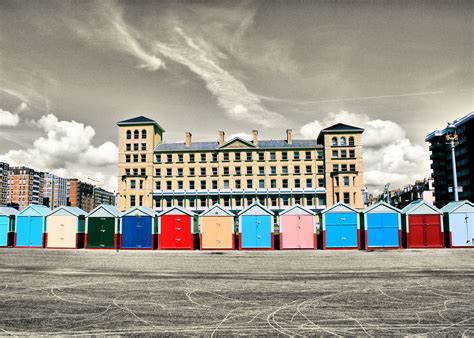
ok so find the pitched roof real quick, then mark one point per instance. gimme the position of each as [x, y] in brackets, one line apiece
[341, 127]
[40, 210]
[145, 210]
[256, 204]
[263, 144]
[418, 203]
[381, 203]
[8, 211]
[112, 210]
[216, 206]
[140, 120]
[183, 210]
[453, 206]
[72, 210]
[340, 204]
[297, 206]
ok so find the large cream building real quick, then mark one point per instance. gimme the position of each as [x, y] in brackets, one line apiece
[278, 173]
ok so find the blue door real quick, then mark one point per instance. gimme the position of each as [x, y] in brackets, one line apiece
[136, 232]
[382, 230]
[341, 230]
[29, 231]
[256, 232]
[4, 230]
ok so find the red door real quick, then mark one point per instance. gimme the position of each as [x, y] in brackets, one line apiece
[425, 231]
[176, 232]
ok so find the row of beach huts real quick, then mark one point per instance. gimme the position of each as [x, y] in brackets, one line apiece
[381, 226]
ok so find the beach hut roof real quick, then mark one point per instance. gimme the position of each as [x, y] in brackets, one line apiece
[297, 207]
[209, 211]
[8, 211]
[340, 207]
[75, 211]
[112, 210]
[35, 210]
[140, 209]
[176, 208]
[415, 205]
[382, 205]
[256, 204]
[453, 206]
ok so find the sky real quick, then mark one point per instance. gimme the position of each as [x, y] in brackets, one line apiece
[69, 70]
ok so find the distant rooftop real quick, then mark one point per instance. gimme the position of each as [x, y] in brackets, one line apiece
[139, 120]
[457, 123]
[341, 127]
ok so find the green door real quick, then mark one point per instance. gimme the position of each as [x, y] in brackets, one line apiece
[100, 234]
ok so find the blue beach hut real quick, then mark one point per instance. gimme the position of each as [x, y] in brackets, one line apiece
[382, 227]
[256, 228]
[7, 226]
[340, 227]
[30, 226]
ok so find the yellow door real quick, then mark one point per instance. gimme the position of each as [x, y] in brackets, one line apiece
[217, 232]
[61, 231]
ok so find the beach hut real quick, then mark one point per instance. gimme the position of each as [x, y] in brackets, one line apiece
[7, 225]
[103, 228]
[422, 225]
[256, 228]
[340, 226]
[459, 224]
[30, 226]
[176, 229]
[297, 228]
[216, 229]
[65, 227]
[139, 227]
[382, 227]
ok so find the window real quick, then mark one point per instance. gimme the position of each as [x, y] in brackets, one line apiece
[169, 172]
[238, 201]
[352, 153]
[284, 170]
[169, 185]
[226, 171]
[296, 155]
[249, 184]
[169, 158]
[335, 168]
[180, 158]
[180, 201]
[273, 184]
[237, 184]
[309, 183]
[127, 172]
[135, 158]
[343, 141]
[143, 146]
[343, 153]
[261, 200]
[202, 201]
[214, 200]
[297, 183]
[347, 198]
[191, 157]
[135, 147]
[203, 157]
[127, 158]
[320, 169]
[343, 167]
[143, 157]
[249, 170]
[158, 158]
[261, 170]
[309, 200]
[284, 156]
[273, 201]
[214, 171]
[192, 202]
[321, 183]
[272, 156]
[320, 155]
[128, 147]
[237, 171]
[286, 200]
[237, 157]
[261, 156]
[285, 183]
[214, 157]
[135, 171]
[214, 184]
[191, 171]
[249, 157]
[307, 155]
[203, 184]
[136, 134]
[297, 170]
[351, 141]
[308, 169]
[180, 172]
[226, 201]
[158, 185]
[261, 184]
[132, 200]
[226, 157]
[273, 170]
[202, 172]
[192, 185]
[129, 135]
[226, 184]
[297, 199]
[334, 141]
[180, 185]
[132, 184]
[335, 154]
[249, 200]
[346, 181]
[353, 167]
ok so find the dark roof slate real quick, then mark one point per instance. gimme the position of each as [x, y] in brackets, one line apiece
[341, 127]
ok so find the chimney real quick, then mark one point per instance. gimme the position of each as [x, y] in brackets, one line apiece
[188, 138]
[289, 137]
[255, 136]
[221, 137]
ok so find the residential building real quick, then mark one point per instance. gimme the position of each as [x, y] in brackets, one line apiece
[421, 190]
[102, 196]
[4, 169]
[81, 195]
[235, 173]
[55, 191]
[25, 187]
[442, 161]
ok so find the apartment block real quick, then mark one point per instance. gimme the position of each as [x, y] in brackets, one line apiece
[81, 194]
[4, 169]
[55, 191]
[25, 187]
[102, 196]
[234, 173]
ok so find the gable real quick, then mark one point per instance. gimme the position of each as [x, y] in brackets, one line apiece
[136, 213]
[422, 209]
[382, 208]
[216, 210]
[297, 210]
[35, 210]
[465, 208]
[340, 207]
[256, 210]
[176, 211]
[237, 143]
[61, 212]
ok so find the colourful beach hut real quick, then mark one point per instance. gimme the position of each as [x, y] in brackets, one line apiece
[103, 228]
[65, 227]
[297, 228]
[256, 228]
[340, 226]
[382, 227]
[139, 227]
[176, 229]
[216, 226]
[459, 224]
[422, 225]
[7, 226]
[30, 226]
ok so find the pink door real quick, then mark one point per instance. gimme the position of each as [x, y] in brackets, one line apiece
[297, 232]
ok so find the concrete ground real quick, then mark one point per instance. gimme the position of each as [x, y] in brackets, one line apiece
[286, 293]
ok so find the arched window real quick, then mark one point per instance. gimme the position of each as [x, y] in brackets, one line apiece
[343, 141]
[129, 134]
[143, 133]
[351, 141]
[136, 134]
[334, 141]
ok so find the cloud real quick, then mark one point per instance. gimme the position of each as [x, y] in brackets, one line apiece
[389, 156]
[66, 149]
[243, 136]
[8, 119]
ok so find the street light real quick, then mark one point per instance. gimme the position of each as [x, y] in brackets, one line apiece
[452, 140]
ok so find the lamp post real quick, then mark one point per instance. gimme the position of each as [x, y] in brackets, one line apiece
[452, 140]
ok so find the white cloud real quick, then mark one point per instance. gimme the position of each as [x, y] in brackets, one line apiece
[66, 149]
[243, 136]
[389, 156]
[8, 119]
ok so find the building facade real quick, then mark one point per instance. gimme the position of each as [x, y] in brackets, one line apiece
[4, 170]
[236, 172]
[55, 191]
[442, 161]
[25, 187]
[81, 194]
[102, 196]
[421, 190]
